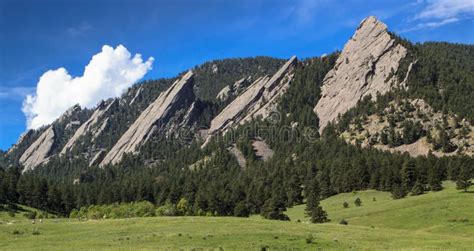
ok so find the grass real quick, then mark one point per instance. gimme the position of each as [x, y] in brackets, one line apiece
[441, 220]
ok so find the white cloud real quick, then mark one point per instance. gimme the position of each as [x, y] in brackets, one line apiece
[446, 9]
[436, 13]
[108, 74]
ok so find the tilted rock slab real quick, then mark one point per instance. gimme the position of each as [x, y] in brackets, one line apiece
[38, 152]
[154, 117]
[257, 100]
[89, 125]
[366, 65]
[227, 91]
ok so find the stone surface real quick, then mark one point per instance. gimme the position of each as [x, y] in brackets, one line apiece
[23, 137]
[366, 66]
[38, 152]
[239, 156]
[154, 117]
[262, 150]
[90, 125]
[257, 100]
[235, 89]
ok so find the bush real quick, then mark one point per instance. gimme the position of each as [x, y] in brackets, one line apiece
[310, 239]
[241, 210]
[168, 209]
[358, 202]
[11, 214]
[16, 232]
[343, 222]
[30, 215]
[345, 204]
[36, 232]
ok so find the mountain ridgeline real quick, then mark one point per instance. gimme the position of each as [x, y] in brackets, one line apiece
[257, 135]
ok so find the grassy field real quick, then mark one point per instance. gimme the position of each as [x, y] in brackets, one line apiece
[441, 220]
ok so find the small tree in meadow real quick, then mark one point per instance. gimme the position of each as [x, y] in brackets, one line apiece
[358, 202]
[345, 204]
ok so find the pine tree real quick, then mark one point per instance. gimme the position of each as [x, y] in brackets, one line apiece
[313, 209]
[358, 202]
[463, 181]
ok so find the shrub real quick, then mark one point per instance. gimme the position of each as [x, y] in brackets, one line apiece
[168, 209]
[30, 215]
[11, 214]
[36, 232]
[16, 232]
[358, 202]
[241, 210]
[343, 222]
[310, 239]
[345, 204]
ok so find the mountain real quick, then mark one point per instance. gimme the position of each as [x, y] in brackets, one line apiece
[256, 135]
[365, 67]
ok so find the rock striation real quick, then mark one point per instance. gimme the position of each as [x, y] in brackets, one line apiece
[91, 125]
[366, 66]
[157, 116]
[38, 152]
[258, 100]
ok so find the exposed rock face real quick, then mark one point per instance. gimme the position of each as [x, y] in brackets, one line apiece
[236, 88]
[90, 126]
[257, 100]
[239, 156]
[155, 117]
[23, 137]
[136, 95]
[262, 150]
[67, 114]
[38, 152]
[366, 66]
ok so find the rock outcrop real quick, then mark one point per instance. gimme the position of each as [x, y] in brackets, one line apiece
[38, 152]
[233, 89]
[257, 100]
[156, 117]
[366, 66]
[262, 150]
[90, 126]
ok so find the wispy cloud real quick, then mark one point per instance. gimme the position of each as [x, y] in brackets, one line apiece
[436, 13]
[15, 93]
[305, 10]
[446, 9]
[79, 31]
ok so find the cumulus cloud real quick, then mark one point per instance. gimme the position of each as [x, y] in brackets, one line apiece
[108, 74]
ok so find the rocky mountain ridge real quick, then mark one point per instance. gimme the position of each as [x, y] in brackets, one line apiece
[368, 66]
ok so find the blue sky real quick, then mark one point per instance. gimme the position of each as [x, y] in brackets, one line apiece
[37, 36]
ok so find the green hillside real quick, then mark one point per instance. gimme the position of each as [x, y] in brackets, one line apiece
[442, 220]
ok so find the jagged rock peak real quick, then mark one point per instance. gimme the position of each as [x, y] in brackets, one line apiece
[38, 152]
[366, 66]
[89, 125]
[257, 100]
[156, 116]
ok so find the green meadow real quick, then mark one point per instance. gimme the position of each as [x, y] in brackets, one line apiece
[440, 220]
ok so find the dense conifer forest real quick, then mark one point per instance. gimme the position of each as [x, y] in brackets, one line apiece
[181, 178]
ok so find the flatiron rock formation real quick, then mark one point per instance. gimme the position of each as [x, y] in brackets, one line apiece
[156, 116]
[366, 66]
[90, 126]
[38, 152]
[257, 100]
